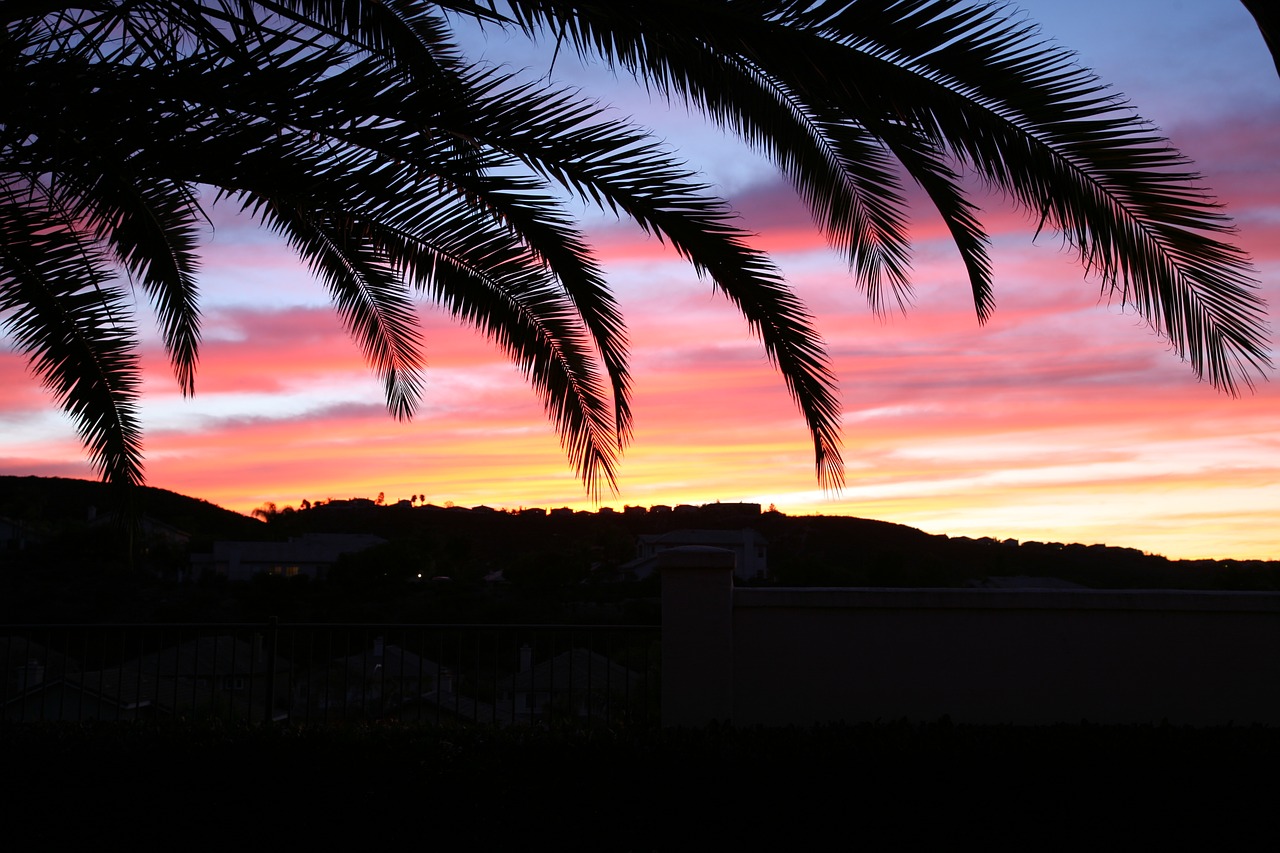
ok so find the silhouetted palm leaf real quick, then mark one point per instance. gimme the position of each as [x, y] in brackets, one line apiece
[358, 131]
[1268, 17]
[73, 324]
[946, 87]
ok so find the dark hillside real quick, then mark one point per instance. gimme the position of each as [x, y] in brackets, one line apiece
[48, 503]
[561, 547]
[479, 564]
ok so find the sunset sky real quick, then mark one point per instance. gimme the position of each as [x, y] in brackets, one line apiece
[1063, 419]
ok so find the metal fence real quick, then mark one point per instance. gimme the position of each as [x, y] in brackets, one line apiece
[320, 674]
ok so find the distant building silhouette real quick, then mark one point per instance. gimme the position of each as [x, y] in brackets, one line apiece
[311, 554]
[750, 548]
[16, 535]
[575, 683]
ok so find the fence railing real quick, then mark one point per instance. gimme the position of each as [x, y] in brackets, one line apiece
[321, 674]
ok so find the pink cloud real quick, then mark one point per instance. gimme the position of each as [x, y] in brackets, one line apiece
[20, 390]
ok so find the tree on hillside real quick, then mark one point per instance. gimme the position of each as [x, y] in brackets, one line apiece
[267, 512]
[359, 131]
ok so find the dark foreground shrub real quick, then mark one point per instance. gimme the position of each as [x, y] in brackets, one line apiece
[883, 785]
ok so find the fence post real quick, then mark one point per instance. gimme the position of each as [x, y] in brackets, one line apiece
[697, 635]
[273, 644]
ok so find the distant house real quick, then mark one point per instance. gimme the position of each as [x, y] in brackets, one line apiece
[210, 675]
[218, 673]
[28, 663]
[153, 530]
[750, 548]
[115, 694]
[311, 554]
[368, 684]
[443, 706]
[388, 682]
[16, 535]
[723, 511]
[577, 683]
[128, 692]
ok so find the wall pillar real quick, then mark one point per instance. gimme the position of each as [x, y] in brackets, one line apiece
[697, 635]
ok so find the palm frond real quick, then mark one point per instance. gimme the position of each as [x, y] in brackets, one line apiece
[480, 273]
[56, 303]
[975, 83]
[619, 168]
[366, 289]
[1022, 115]
[359, 131]
[151, 224]
[405, 197]
[1267, 17]
[840, 172]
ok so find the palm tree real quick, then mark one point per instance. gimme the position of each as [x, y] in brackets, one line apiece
[391, 165]
[1267, 17]
[359, 131]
